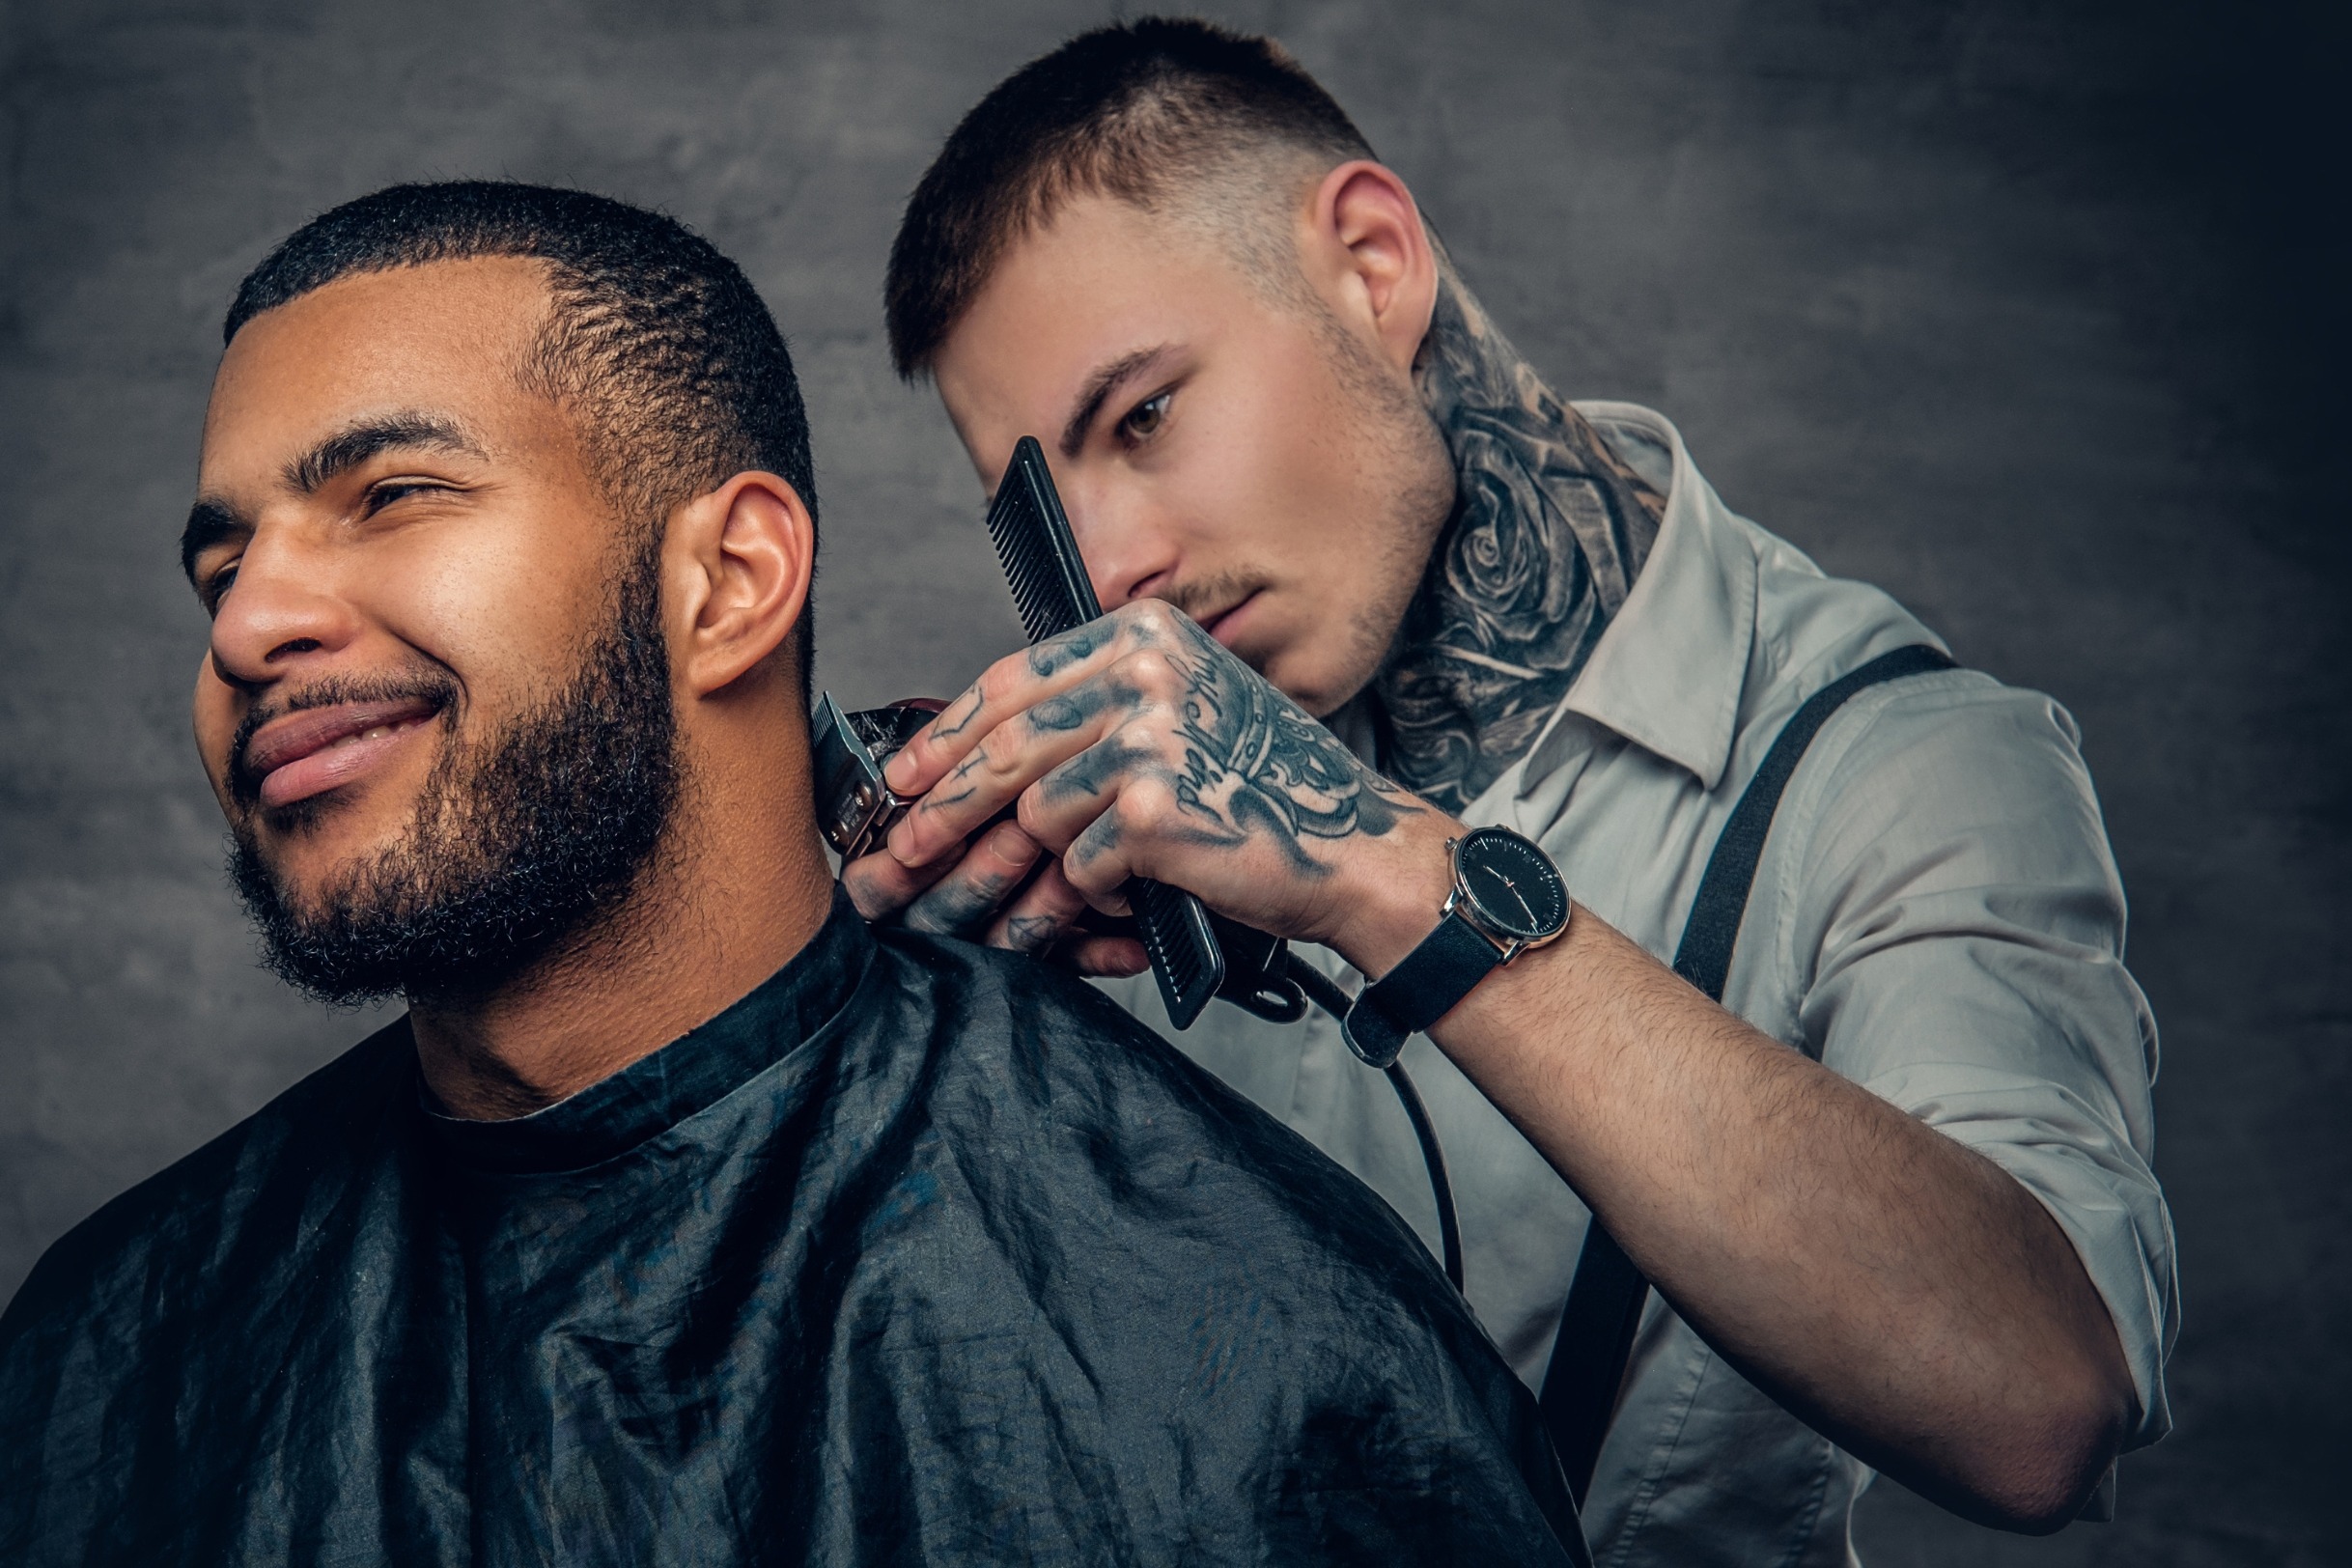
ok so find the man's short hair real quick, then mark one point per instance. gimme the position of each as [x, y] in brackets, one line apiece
[1147, 113]
[656, 343]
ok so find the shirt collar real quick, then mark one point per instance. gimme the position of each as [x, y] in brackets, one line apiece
[683, 1077]
[1668, 671]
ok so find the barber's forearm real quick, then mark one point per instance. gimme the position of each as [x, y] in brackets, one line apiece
[1897, 1289]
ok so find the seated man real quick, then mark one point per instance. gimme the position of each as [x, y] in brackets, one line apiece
[681, 1218]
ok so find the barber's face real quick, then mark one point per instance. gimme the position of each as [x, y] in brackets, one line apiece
[409, 567]
[1238, 459]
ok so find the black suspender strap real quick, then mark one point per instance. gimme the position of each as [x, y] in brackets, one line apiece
[1596, 1333]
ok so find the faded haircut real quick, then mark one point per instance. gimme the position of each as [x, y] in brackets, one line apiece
[1168, 115]
[653, 340]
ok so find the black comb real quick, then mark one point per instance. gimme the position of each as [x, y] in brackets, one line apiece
[1054, 593]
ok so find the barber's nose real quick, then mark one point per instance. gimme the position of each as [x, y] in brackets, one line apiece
[277, 612]
[1128, 555]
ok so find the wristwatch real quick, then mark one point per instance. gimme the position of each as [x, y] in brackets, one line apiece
[1507, 897]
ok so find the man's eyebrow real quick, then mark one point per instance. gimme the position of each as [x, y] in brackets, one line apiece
[209, 524]
[354, 445]
[1099, 387]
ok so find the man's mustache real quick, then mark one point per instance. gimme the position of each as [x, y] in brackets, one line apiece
[432, 687]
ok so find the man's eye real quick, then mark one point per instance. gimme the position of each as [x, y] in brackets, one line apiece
[216, 588]
[1146, 417]
[390, 490]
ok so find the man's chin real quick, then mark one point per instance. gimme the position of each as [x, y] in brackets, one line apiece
[314, 845]
[300, 822]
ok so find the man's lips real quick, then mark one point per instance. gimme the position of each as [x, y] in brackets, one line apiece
[309, 752]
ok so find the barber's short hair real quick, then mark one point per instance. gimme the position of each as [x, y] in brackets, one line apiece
[1147, 113]
[656, 343]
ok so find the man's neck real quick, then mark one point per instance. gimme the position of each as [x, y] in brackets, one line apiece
[1549, 531]
[706, 925]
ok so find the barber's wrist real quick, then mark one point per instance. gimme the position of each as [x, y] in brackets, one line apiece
[1392, 890]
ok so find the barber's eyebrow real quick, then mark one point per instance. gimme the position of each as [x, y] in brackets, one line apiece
[1106, 380]
[355, 444]
[208, 523]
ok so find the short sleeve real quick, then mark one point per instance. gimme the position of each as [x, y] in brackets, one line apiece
[1962, 919]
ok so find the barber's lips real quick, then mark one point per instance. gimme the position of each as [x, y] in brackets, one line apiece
[318, 750]
[1226, 622]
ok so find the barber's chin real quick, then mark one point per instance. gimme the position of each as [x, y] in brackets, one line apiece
[1318, 684]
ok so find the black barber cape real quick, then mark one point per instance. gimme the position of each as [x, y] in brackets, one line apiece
[919, 1253]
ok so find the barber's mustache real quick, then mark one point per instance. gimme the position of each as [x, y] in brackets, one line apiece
[435, 687]
[1213, 595]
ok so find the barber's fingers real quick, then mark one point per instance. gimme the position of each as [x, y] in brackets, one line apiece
[1041, 915]
[1015, 684]
[1018, 752]
[880, 885]
[1108, 956]
[1142, 833]
[970, 894]
[1045, 917]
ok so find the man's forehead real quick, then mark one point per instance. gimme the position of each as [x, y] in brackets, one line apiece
[445, 335]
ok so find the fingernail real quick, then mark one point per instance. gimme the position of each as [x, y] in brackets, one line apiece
[899, 773]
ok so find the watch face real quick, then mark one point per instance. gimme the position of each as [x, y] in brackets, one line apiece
[1515, 889]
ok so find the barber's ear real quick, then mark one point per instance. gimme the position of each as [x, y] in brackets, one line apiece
[737, 563]
[1365, 239]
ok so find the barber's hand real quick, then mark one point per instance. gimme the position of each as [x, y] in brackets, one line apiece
[1138, 746]
[987, 892]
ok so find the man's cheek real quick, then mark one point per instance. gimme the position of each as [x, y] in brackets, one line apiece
[214, 731]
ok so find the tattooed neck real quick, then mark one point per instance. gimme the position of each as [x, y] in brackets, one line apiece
[1549, 531]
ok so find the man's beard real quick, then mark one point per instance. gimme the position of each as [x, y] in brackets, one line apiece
[519, 841]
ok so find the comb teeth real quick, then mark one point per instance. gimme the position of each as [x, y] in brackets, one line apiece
[1033, 544]
[1163, 929]
[1036, 578]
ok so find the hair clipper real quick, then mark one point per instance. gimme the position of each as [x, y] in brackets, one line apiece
[1194, 955]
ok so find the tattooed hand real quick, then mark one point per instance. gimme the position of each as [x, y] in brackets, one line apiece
[1137, 745]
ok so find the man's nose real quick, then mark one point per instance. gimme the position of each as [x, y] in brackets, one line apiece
[279, 609]
[1129, 554]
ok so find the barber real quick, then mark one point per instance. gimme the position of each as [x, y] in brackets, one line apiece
[1372, 585]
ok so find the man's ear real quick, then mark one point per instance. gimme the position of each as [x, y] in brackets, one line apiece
[737, 562]
[1366, 247]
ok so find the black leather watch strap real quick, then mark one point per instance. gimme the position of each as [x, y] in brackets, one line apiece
[1419, 991]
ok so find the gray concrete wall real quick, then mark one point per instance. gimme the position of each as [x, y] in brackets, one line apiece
[2012, 308]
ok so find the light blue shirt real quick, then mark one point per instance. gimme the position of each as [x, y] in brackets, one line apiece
[1936, 916]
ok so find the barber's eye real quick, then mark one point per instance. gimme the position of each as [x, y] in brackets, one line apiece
[1146, 417]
